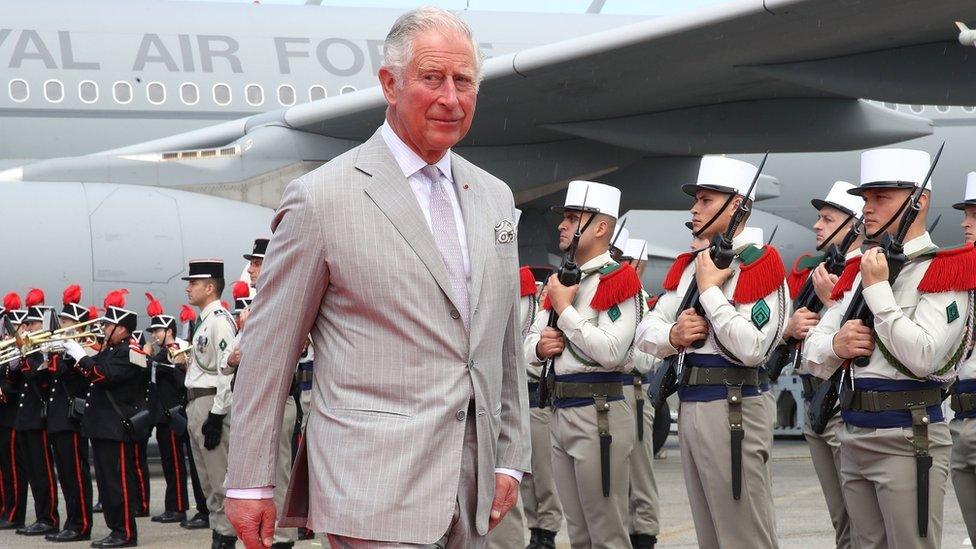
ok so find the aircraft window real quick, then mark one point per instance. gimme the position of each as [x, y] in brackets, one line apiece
[918, 108]
[942, 108]
[286, 95]
[88, 91]
[19, 90]
[317, 92]
[891, 106]
[254, 95]
[969, 109]
[54, 91]
[122, 92]
[189, 93]
[156, 93]
[221, 94]
[346, 89]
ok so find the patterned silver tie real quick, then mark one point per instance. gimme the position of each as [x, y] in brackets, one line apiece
[444, 227]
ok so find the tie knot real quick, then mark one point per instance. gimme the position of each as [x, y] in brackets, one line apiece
[432, 172]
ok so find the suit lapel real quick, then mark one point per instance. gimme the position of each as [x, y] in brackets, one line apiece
[472, 200]
[391, 192]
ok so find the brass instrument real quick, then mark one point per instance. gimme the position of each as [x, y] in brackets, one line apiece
[172, 354]
[38, 336]
[35, 345]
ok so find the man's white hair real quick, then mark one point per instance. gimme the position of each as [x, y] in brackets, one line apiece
[398, 46]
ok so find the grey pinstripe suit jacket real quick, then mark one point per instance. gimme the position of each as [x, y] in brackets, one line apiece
[353, 261]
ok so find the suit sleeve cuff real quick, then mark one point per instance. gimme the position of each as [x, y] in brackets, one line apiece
[264, 492]
[517, 475]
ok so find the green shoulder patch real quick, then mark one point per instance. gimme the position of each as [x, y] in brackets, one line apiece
[760, 313]
[609, 268]
[810, 261]
[952, 312]
[750, 253]
[613, 313]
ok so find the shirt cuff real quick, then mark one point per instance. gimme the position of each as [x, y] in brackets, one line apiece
[264, 492]
[517, 475]
[711, 299]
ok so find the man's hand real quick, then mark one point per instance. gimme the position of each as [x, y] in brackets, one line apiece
[688, 329]
[823, 284]
[561, 296]
[506, 494]
[253, 520]
[707, 274]
[550, 343]
[874, 267]
[212, 430]
[854, 339]
[800, 324]
[234, 358]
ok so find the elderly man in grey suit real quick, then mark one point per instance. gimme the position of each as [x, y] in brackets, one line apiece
[418, 434]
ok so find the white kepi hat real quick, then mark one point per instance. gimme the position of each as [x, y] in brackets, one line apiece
[598, 198]
[753, 235]
[636, 248]
[723, 174]
[620, 237]
[839, 197]
[970, 198]
[893, 169]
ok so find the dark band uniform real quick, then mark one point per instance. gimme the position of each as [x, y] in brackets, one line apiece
[14, 482]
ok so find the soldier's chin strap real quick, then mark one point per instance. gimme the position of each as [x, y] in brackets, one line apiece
[715, 217]
[830, 238]
[897, 215]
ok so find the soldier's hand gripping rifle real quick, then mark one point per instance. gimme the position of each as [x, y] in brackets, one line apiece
[788, 352]
[667, 376]
[569, 274]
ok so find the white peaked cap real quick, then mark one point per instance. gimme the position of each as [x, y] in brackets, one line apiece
[724, 174]
[970, 198]
[893, 168]
[620, 237]
[839, 197]
[752, 235]
[636, 248]
[597, 196]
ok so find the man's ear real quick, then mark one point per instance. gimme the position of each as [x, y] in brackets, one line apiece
[733, 206]
[388, 83]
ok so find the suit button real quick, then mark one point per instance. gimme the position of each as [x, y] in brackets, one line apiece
[470, 364]
[455, 314]
[460, 415]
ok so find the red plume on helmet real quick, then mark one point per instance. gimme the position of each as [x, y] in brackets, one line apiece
[115, 298]
[93, 312]
[187, 314]
[224, 304]
[240, 290]
[154, 308]
[35, 297]
[72, 294]
[11, 301]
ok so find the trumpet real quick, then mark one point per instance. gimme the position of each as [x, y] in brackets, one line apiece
[31, 337]
[47, 343]
[172, 354]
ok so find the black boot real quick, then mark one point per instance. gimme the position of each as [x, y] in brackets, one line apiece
[223, 542]
[542, 539]
[199, 521]
[170, 516]
[68, 536]
[114, 540]
[643, 541]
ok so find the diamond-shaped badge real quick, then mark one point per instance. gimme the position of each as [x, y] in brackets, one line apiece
[614, 313]
[760, 313]
[223, 345]
[952, 312]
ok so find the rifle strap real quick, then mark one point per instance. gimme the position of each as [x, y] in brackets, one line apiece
[737, 434]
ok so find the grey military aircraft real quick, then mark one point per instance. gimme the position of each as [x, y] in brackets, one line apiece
[116, 116]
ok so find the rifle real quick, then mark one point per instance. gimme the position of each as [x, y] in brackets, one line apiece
[788, 352]
[667, 376]
[569, 274]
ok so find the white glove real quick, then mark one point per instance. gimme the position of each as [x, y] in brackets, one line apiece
[74, 350]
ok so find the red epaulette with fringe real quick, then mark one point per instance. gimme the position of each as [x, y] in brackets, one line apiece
[526, 282]
[798, 276]
[616, 287]
[673, 278]
[951, 271]
[846, 280]
[759, 278]
[652, 302]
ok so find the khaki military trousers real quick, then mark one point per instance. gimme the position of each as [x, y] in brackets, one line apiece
[593, 521]
[211, 464]
[643, 487]
[538, 490]
[283, 473]
[878, 474]
[825, 453]
[963, 469]
[706, 457]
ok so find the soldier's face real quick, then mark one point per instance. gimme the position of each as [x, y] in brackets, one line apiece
[254, 270]
[828, 220]
[880, 205]
[68, 322]
[33, 326]
[969, 224]
[196, 292]
[709, 203]
[116, 334]
[160, 335]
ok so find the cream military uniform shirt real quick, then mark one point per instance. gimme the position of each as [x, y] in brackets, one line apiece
[211, 344]
[922, 331]
[802, 366]
[597, 341]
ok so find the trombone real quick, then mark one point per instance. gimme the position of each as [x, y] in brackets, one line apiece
[37, 345]
[38, 336]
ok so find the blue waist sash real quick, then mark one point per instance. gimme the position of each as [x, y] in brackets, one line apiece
[966, 386]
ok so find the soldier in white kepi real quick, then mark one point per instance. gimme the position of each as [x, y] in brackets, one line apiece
[894, 443]
[621, 236]
[724, 422]
[208, 391]
[593, 425]
[963, 398]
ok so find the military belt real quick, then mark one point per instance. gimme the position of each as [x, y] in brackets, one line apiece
[566, 389]
[885, 401]
[197, 392]
[599, 392]
[304, 376]
[721, 376]
[963, 402]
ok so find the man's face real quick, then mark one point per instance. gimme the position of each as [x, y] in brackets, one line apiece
[433, 107]
[116, 334]
[707, 204]
[33, 326]
[567, 228]
[68, 322]
[254, 270]
[880, 205]
[828, 220]
[969, 224]
[159, 334]
[197, 291]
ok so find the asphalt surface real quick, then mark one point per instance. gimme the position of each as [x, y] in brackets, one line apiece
[801, 515]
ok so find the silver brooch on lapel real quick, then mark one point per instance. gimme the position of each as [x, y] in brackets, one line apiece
[505, 232]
